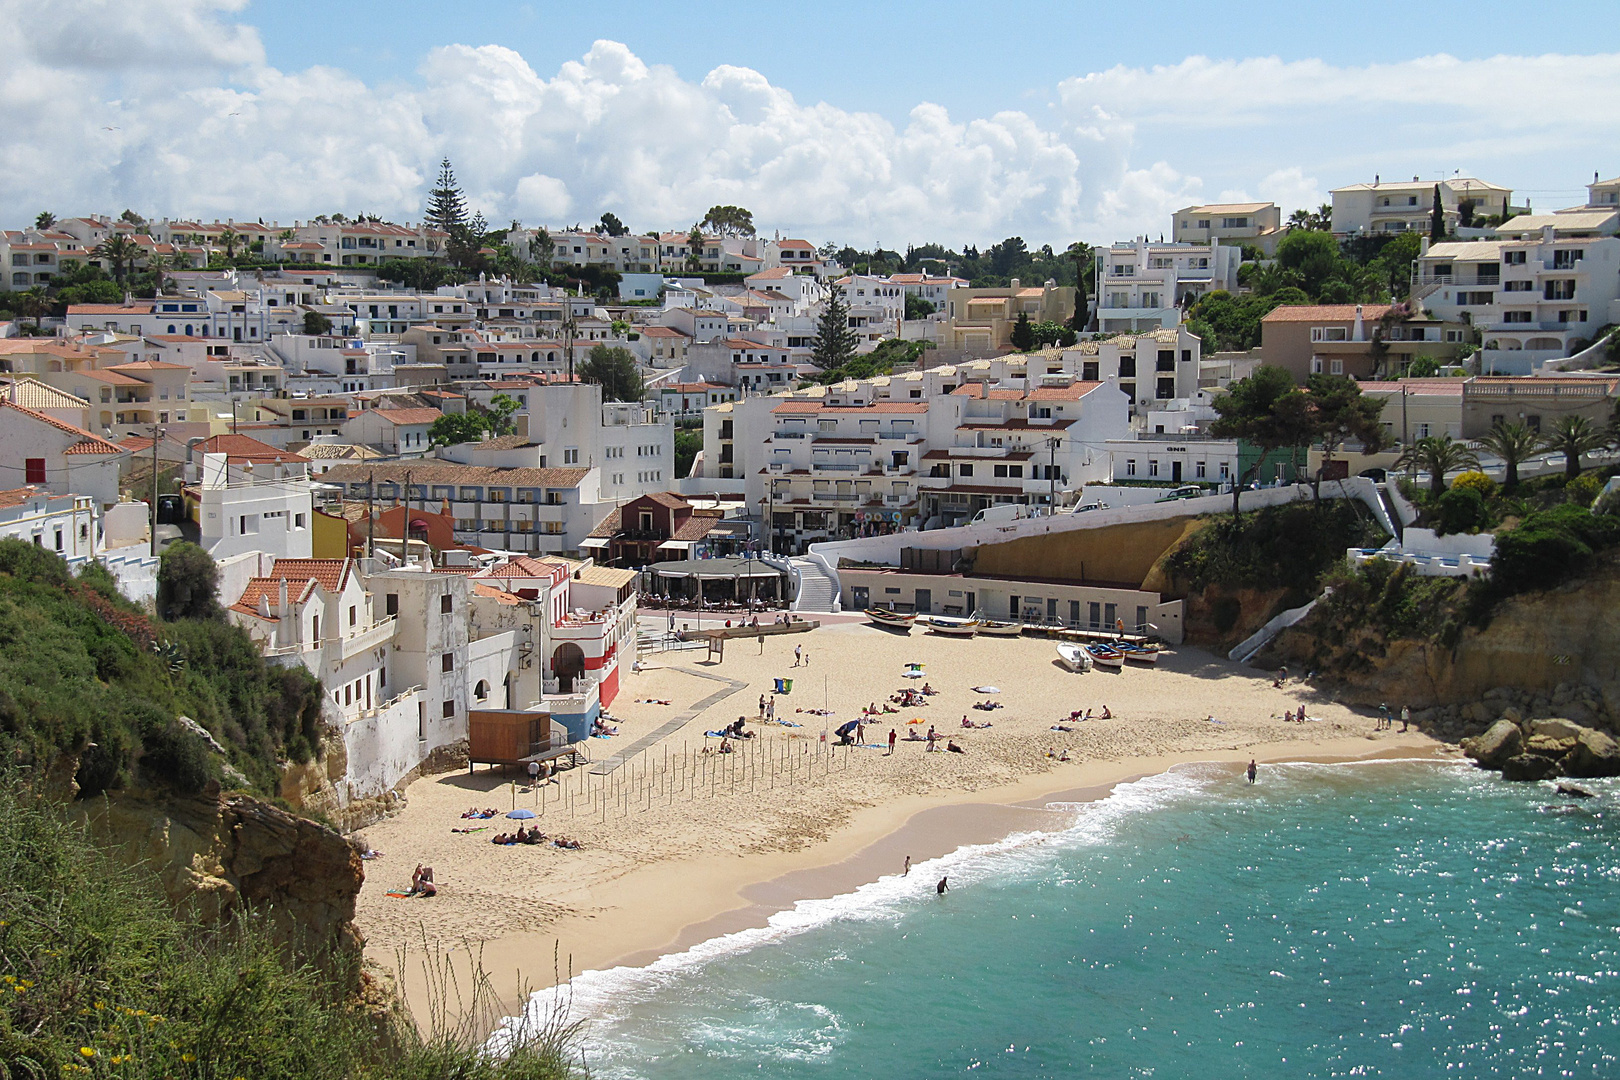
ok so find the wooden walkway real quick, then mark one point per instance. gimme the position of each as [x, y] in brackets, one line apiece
[611, 764]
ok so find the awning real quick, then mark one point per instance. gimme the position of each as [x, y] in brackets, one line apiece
[676, 545]
[595, 542]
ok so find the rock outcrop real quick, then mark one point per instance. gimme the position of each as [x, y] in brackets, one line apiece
[1593, 754]
[1502, 740]
[1529, 767]
[222, 856]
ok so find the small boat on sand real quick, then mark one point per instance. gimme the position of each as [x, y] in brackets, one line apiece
[1141, 654]
[889, 617]
[1074, 657]
[953, 627]
[1000, 629]
[1106, 656]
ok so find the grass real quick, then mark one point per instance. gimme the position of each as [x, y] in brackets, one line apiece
[100, 978]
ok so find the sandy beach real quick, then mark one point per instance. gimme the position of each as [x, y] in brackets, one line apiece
[681, 843]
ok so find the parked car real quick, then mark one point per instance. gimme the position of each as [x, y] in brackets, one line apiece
[1186, 491]
[995, 515]
[1085, 507]
[1375, 475]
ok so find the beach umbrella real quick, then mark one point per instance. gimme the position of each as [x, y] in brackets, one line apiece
[987, 689]
[845, 729]
[521, 812]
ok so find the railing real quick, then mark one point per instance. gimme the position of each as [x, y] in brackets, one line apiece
[369, 637]
[372, 712]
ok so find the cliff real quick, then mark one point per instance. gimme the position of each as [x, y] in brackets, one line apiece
[1555, 650]
[218, 856]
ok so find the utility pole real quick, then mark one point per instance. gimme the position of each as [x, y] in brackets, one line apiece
[1051, 474]
[157, 435]
[371, 515]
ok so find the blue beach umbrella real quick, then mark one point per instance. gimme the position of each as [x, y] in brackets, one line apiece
[522, 812]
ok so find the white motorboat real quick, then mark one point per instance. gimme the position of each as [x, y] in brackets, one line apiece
[1074, 657]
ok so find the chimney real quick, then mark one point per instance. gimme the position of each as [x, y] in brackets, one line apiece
[1014, 285]
[1360, 328]
[1423, 246]
[281, 605]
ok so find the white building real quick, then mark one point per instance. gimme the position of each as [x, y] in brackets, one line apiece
[65, 460]
[256, 499]
[1144, 286]
[1381, 207]
[69, 525]
[1258, 223]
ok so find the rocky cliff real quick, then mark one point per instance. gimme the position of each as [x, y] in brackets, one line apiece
[223, 855]
[1548, 653]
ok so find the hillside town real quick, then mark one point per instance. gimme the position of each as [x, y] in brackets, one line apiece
[446, 468]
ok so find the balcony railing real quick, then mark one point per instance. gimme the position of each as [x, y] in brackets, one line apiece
[371, 637]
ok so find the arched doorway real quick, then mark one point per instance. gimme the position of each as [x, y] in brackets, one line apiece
[568, 664]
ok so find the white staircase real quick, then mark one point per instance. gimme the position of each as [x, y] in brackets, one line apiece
[818, 588]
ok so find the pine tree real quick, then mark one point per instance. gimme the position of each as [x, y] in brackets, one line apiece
[835, 341]
[1082, 303]
[1023, 335]
[1437, 218]
[447, 207]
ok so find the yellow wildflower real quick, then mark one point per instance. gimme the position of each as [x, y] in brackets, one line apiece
[88, 1051]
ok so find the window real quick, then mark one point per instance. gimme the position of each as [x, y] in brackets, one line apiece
[445, 604]
[1330, 333]
[391, 603]
[447, 662]
[34, 470]
[1513, 258]
[1199, 471]
[1127, 368]
[1166, 388]
[1518, 286]
[1153, 467]
[481, 691]
[1558, 289]
[571, 456]
[353, 614]
[1515, 316]
[1130, 466]
[964, 469]
[448, 709]
[1014, 471]
[1316, 365]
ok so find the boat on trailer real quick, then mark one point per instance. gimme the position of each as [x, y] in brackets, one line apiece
[1074, 657]
[1106, 656]
[883, 616]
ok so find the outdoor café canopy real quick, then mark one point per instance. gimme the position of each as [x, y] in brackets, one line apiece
[728, 568]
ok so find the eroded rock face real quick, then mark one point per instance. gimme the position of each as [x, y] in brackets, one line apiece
[1594, 754]
[220, 856]
[1501, 741]
[1529, 767]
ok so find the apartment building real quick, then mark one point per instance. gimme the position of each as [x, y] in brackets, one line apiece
[1391, 207]
[746, 363]
[38, 449]
[1155, 370]
[688, 399]
[69, 525]
[935, 290]
[981, 321]
[530, 510]
[247, 496]
[400, 433]
[1363, 341]
[353, 243]
[1236, 224]
[1144, 286]
[1538, 403]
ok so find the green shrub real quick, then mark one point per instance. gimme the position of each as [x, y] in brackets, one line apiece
[1548, 547]
[1476, 480]
[1289, 546]
[1583, 489]
[1462, 509]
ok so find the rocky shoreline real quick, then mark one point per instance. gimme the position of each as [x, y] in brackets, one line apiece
[1543, 749]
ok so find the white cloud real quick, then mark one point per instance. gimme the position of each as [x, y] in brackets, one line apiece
[96, 115]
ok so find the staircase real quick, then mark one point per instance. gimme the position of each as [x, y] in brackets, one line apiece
[818, 588]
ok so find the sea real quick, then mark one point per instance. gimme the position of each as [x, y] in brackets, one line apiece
[1383, 919]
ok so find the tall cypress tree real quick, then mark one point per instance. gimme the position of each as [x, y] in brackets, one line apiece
[1023, 335]
[446, 207]
[1082, 303]
[835, 341]
[1437, 218]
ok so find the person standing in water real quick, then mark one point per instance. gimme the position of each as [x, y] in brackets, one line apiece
[907, 871]
[1252, 770]
[939, 889]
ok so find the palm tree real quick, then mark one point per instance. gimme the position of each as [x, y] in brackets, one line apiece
[1573, 436]
[45, 220]
[33, 303]
[1514, 443]
[228, 240]
[121, 251]
[1437, 455]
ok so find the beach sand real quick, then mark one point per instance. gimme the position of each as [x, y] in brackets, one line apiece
[680, 845]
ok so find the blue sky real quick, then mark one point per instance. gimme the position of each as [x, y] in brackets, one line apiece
[852, 122]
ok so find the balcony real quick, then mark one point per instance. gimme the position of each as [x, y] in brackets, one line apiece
[377, 634]
[827, 466]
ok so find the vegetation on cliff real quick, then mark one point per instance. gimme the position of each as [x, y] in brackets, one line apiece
[87, 674]
[99, 977]
[1288, 547]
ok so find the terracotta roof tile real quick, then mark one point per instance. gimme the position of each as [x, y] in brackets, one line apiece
[87, 444]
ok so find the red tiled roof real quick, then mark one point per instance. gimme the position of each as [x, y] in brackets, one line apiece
[802, 405]
[246, 448]
[525, 567]
[1370, 313]
[87, 444]
[409, 416]
[329, 572]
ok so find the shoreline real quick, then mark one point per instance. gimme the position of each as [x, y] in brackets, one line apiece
[669, 906]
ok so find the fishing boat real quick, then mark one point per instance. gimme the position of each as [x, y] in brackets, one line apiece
[1106, 656]
[954, 627]
[1142, 654]
[1074, 657]
[1000, 629]
[889, 617]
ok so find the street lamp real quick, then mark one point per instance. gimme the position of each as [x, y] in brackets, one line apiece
[764, 524]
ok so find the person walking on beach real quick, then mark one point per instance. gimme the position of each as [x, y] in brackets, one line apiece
[939, 890]
[1406, 717]
[534, 773]
[798, 654]
[891, 740]
[907, 871]
[762, 705]
[1252, 770]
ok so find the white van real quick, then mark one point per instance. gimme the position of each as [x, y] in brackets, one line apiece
[1000, 515]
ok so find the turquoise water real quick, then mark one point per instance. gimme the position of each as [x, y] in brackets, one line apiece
[1394, 919]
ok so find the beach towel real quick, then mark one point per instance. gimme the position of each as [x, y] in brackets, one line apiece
[717, 734]
[399, 895]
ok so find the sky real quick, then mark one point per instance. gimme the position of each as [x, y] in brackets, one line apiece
[856, 123]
